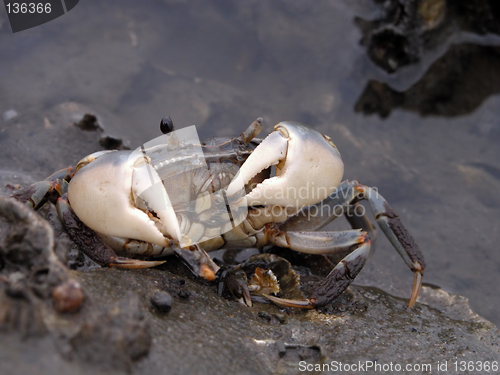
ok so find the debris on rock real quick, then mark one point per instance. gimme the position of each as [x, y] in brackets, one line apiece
[89, 122]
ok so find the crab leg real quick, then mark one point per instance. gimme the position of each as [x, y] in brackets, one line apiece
[316, 242]
[235, 280]
[313, 242]
[358, 220]
[86, 239]
[136, 247]
[198, 261]
[38, 193]
[345, 201]
[335, 283]
[398, 235]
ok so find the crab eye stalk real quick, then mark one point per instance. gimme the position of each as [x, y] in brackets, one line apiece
[166, 125]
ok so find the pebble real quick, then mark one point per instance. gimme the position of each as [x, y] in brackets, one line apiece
[161, 301]
[68, 297]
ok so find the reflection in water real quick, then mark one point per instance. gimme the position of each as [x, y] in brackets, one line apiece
[456, 84]
[408, 28]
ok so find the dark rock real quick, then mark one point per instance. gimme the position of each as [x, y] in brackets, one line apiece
[32, 272]
[161, 301]
[89, 122]
[109, 142]
[184, 294]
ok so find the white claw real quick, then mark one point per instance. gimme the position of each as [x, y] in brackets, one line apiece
[107, 207]
[308, 168]
[274, 147]
[147, 184]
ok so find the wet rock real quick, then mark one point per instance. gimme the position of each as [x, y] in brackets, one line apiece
[363, 324]
[28, 248]
[114, 330]
[31, 270]
[37, 292]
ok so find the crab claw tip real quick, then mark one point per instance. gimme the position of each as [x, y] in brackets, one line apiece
[127, 263]
[417, 285]
[206, 272]
[296, 303]
[270, 151]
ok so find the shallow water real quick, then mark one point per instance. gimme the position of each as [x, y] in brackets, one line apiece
[220, 65]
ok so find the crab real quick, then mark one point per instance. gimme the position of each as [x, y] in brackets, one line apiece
[119, 219]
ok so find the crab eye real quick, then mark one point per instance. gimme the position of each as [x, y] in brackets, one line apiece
[166, 125]
[329, 140]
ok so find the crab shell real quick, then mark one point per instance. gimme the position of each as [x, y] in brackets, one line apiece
[103, 192]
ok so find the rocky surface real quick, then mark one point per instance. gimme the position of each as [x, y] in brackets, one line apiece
[116, 327]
